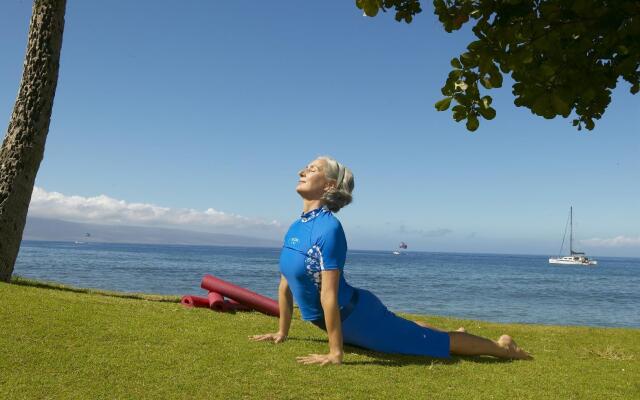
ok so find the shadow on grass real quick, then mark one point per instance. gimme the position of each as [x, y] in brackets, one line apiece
[17, 280]
[399, 360]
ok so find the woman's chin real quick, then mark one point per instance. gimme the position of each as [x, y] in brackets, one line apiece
[307, 195]
[301, 188]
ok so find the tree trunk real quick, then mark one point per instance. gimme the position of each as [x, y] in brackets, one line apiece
[23, 147]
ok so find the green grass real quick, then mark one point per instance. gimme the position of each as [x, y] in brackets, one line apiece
[73, 343]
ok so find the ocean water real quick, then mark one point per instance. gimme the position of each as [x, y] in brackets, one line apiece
[492, 287]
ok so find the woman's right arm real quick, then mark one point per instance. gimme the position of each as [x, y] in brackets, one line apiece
[285, 303]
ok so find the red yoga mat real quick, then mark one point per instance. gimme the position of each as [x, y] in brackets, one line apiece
[241, 295]
[216, 301]
[194, 301]
[235, 306]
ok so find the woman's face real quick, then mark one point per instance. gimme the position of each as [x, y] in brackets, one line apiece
[313, 183]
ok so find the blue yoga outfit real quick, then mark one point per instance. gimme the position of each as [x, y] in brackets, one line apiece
[315, 243]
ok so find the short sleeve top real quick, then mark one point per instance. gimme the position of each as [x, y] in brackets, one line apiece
[314, 243]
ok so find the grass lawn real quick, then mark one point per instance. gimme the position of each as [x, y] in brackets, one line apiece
[71, 344]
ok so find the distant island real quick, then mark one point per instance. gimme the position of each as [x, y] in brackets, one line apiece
[45, 229]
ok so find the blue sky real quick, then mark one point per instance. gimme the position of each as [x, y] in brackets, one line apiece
[193, 106]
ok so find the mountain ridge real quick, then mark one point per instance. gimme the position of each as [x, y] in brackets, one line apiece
[48, 229]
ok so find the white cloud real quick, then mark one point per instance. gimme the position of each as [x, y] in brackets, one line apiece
[107, 210]
[618, 241]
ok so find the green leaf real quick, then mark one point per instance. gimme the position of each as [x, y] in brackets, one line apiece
[472, 122]
[475, 45]
[487, 113]
[539, 106]
[589, 94]
[473, 91]
[589, 124]
[443, 104]
[496, 79]
[459, 116]
[462, 85]
[455, 63]
[468, 60]
[526, 57]
[560, 106]
[447, 90]
[371, 11]
[370, 7]
[462, 99]
[459, 112]
[485, 101]
[547, 70]
[455, 74]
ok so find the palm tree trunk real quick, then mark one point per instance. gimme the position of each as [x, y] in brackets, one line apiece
[23, 147]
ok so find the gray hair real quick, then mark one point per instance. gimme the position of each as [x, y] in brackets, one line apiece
[340, 196]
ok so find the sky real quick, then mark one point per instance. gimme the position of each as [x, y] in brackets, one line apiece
[199, 114]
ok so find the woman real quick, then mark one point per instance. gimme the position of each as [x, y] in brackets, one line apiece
[311, 263]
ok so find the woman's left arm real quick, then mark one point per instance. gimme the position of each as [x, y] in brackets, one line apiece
[329, 300]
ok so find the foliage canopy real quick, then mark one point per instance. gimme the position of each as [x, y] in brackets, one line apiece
[564, 56]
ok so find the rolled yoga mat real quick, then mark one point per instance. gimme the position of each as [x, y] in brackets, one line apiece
[233, 305]
[194, 301]
[216, 301]
[241, 295]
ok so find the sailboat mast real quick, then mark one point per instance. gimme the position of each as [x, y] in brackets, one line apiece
[571, 231]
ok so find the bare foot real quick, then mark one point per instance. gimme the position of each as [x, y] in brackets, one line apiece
[512, 349]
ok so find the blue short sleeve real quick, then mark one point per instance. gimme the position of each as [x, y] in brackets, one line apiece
[331, 247]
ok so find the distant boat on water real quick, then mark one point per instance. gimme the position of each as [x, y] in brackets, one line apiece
[574, 257]
[86, 235]
[402, 246]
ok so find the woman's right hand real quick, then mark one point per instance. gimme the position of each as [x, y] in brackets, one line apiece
[271, 337]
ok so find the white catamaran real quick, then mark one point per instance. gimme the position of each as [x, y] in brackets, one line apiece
[574, 257]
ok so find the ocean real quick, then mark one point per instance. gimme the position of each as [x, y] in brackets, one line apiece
[491, 287]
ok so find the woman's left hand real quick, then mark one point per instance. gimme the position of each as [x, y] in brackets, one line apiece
[322, 359]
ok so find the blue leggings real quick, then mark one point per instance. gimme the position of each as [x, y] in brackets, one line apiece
[372, 326]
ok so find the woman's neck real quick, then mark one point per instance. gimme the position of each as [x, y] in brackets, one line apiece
[308, 205]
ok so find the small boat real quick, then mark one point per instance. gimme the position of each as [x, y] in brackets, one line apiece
[574, 257]
[86, 235]
[402, 246]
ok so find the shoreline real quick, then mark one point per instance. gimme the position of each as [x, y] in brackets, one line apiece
[21, 281]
